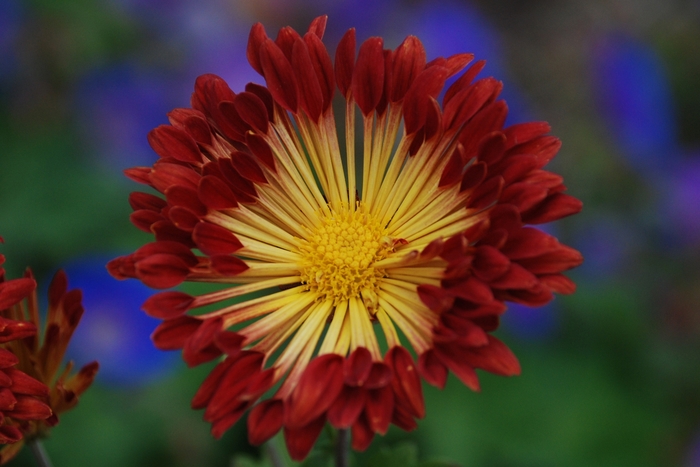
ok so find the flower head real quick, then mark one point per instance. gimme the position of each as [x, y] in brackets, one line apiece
[39, 360]
[23, 399]
[338, 258]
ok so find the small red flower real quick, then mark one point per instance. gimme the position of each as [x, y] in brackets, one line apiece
[23, 399]
[415, 237]
[33, 388]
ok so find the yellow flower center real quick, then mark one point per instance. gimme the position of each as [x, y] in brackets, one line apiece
[339, 256]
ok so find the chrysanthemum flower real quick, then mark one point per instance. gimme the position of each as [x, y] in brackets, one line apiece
[23, 399]
[344, 258]
[40, 359]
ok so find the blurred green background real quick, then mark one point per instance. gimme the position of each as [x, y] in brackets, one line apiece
[611, 375]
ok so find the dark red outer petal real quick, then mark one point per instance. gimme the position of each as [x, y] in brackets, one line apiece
[221, 425]
[15, 290]
[427, 84]
[248, 167]
[458, 365]
[559, 283]
[408, 61]
[200, 350]
[492, 147]
[252, 110]
[166, 231]
[473, 176]
[310, 94]
[229, 342]
[285, 40]
[433, 119]
[432, 369]
[226, 265]
[7, 400]
[452, 173]
[435, 298]
[319, 385]
[345, 62]
[210, 384]
[463, 81]
[362, 435]
[347, 407]
[172, 334]
[261, 150]
[468, 102]
[489, 119]
[454, 247]
[323, 66]
[10, 434]
[318, 26]
[517, 277]
[246, 368]
[300, 440]
[22, 383]
[279, 75]
[7, 358]
[456, 63]
[264, 95]
[168, 141]
[255, 40]
[553, 208]
[406, 382]
[357, 367]
[139, 175]
[167, 305]
[403, 419]
[193, 122]
[486, 194]
[265, 420]
[489, 263]
[143, 219]
[212, 239]
[162, 271]
[496, 358]
[29, 408]
[522, 132]
[183, 218]
[139, 200]
[379, 376]
[368, 75]
[166, 174]
[185, 197]
[215, 193]
[232, 124]
[379, 408]
[472, 289]
[523, 195]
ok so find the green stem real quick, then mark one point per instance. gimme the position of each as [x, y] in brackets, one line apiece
[342, 449]
[274, 454]
[40, 454]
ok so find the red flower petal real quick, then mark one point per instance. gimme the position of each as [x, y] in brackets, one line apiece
[347, 407]
[379, 408]
[265, 420]
[172, 334]
[345, 62]
[406, 382]
[168, 141]
[368, 75]
[167, 305]
[318, 387]
[300, 440]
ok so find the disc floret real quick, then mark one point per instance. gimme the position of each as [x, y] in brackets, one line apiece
[339, 254]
